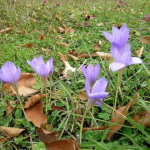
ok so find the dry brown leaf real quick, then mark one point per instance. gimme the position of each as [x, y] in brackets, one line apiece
[2, 140]
[83, 55]
[45, 50]
[41, 37]
[62, 57]
[97, 47]
[47, 136]
[142, 118]
[145, 40]
[9, 108]
[56, 108]
[106, 56]
[33, 100]
[62, 44]
[100, 24]
[16, 19]
[139, 52]
[51, 29]
[68, 29]
[29, 45]
[73, 57]
[95, 128]
[73, 52]
[24, 31]
[117, 117]
[35, 114]
[9, 24]
[60, 29]
[58, 17]
[10, 131]
[7, 30]
[28, 5]
[66, 144]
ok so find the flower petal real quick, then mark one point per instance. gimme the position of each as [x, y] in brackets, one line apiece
[108, 36]
[116, 66]
[123, 28]
[124, 38]
[17, 74]
[115, 52]
[87, 86]
[135, 60]
[98, 95]
[99, 103]
[84, 70]
[100, 86]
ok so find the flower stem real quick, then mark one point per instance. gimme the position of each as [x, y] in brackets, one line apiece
[41, 85]
[118, 87]
[81, 127]
[2, 95]
[92, 123]
[46, 98]
[50, 80]
[18, 96]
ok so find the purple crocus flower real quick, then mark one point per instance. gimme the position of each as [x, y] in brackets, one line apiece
[9, 74]
[41, 68]
[122, 56]
[148, 17]
[91, 73]
[119, 37]
[57, 3]
[51, 67]
[3, 82]
[96, 93]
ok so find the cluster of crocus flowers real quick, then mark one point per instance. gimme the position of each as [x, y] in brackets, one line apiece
[94, 90]
[148, 17]
[42, 69]
[120, 49]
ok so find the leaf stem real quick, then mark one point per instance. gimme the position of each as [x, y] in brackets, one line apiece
[46, 97]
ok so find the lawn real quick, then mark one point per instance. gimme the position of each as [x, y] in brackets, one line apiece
[54, 106]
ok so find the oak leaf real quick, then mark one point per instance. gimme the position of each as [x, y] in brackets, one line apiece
[10, 131]
[35, 114]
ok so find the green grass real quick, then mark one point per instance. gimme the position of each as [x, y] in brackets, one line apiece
[136, 78]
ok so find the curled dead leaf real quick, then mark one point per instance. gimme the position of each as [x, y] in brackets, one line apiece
[41, 37]
[24, 31]
[47, 136]
[3, 140]
[66, 144]
[73, 57]
[56, 108]
[46, 50]
[73, 52]
[33, 100]
[10, 131]
[60, 29]
[106, 56]
[7, 30]
[35, 114]
[117, 117]
[145, 40]
[139, 52]
[9, 108]
[29, 45]
[97, 47]
[51, 29]
[100, 24]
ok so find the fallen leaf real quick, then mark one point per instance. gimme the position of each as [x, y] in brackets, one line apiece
[3, 140]
[139, 52]
[145, 40]
[100, 24]
[68, 29]
[56, 108]
[16, 19]
[45, 50]
[58, 17]
[142, 118]
[66, 144]
[60, 29]
[33, 100]
[9, 24]
[10, 131]
[97, 47]
[104, 56]
[28, 5]
[73, 52]
[82, 95]
[9, 108]
[117, 118]
[73, 57]
[62, 57]
[29, 45]
[95, 128]
[24, 31]
[7, 30]
[35, 114]
[47, 136]
[51, 29]
[62, 44]
[41, 37]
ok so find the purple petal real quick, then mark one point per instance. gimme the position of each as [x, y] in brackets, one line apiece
[116, 32]
[125, 57]
[84, 70]
[108, 36]
[123, 28]
[98, 95]
[116, 66]
[100, 86]
[87, 86]
[17, 74]
[134, 60]
[99, 103]
[124, 37]
[115, 52]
